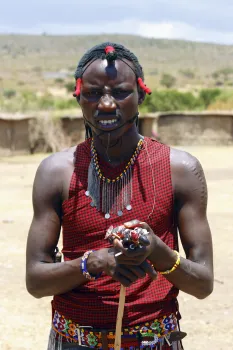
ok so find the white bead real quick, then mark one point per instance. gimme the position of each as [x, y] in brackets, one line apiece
[119, 213]
[129, 207]
[107, 216]
[87, 193]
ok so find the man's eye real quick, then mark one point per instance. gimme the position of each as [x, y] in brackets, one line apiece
[92, 94]
[121, 94]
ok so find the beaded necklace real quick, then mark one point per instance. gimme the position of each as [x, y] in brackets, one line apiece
[111, 196]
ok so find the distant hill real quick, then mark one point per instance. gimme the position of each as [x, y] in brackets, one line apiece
[33, 61]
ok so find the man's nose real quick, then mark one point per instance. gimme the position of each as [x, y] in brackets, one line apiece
[107, 103]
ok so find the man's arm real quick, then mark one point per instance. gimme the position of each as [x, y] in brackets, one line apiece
[43, 277]
[195, 273]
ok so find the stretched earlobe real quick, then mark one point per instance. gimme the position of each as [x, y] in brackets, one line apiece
[141, 97]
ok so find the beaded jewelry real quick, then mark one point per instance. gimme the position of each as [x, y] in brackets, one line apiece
[111, 196]
[84, 267]
[174, 267]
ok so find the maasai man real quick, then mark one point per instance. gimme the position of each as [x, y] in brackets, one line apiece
[117, 176]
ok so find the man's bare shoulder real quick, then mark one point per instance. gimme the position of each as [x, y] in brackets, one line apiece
[187, 172]
[182, 160]
[54, 172]
[59, 160]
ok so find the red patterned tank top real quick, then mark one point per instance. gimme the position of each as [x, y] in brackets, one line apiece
[95, 303]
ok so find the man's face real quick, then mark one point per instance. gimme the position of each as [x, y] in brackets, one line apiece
[109, 97]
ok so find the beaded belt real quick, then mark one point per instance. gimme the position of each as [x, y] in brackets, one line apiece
[147, 334]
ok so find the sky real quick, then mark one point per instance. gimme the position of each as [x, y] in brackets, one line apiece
[197, 20]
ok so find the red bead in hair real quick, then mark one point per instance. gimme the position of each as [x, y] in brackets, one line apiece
[78, 87]
[109, 49]
[143, 86]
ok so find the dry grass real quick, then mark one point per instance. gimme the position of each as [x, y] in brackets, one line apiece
[25, 321]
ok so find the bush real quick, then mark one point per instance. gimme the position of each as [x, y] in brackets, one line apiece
[167, 80]
[222, 73]
[66, 104]
[188, 73]
[171, 100]
[9, 93]
[59, 81]
[70, 86]
[46, 135]
[208, 96]
[46, 102]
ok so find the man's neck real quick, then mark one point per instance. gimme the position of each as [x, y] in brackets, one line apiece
[119, 150]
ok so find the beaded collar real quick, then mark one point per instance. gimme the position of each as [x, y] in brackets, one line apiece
[111, 196]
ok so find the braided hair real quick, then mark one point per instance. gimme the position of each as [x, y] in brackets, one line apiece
[110, 52]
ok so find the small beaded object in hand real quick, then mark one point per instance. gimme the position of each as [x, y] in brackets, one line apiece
[111, 196]
[130, 238]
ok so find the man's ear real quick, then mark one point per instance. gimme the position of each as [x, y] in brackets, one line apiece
[141, 96]
[78, 99]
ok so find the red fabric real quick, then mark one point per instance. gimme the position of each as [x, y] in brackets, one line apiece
[84, 228]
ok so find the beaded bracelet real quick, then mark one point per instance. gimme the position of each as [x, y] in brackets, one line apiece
[84, 267]
[177, 263]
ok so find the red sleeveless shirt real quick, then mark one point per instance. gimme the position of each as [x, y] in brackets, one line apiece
[95, 303]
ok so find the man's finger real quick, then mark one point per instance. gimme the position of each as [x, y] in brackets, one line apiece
[128, 273]
[138, 271]
[149, 270]
[132, 223]
[122, 279]
[136, 223]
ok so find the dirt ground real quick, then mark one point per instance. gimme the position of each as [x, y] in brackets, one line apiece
[25, 321]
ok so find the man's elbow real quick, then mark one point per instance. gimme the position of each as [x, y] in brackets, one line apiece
[33, 288]
[33, 291]
[206, 290]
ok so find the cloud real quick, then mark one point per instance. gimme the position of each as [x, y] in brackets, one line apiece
[164, 29]
[181, 30]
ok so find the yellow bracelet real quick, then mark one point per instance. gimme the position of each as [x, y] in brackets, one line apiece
[177, 263]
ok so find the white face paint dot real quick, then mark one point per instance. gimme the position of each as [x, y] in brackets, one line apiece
[107, 216]
[129, 207]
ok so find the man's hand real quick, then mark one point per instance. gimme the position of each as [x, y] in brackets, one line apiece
[139, 254]
[105, 260]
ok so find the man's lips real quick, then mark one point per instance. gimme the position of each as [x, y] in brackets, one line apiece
[107, 116]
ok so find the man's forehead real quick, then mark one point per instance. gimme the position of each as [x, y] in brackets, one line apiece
[117, 70]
